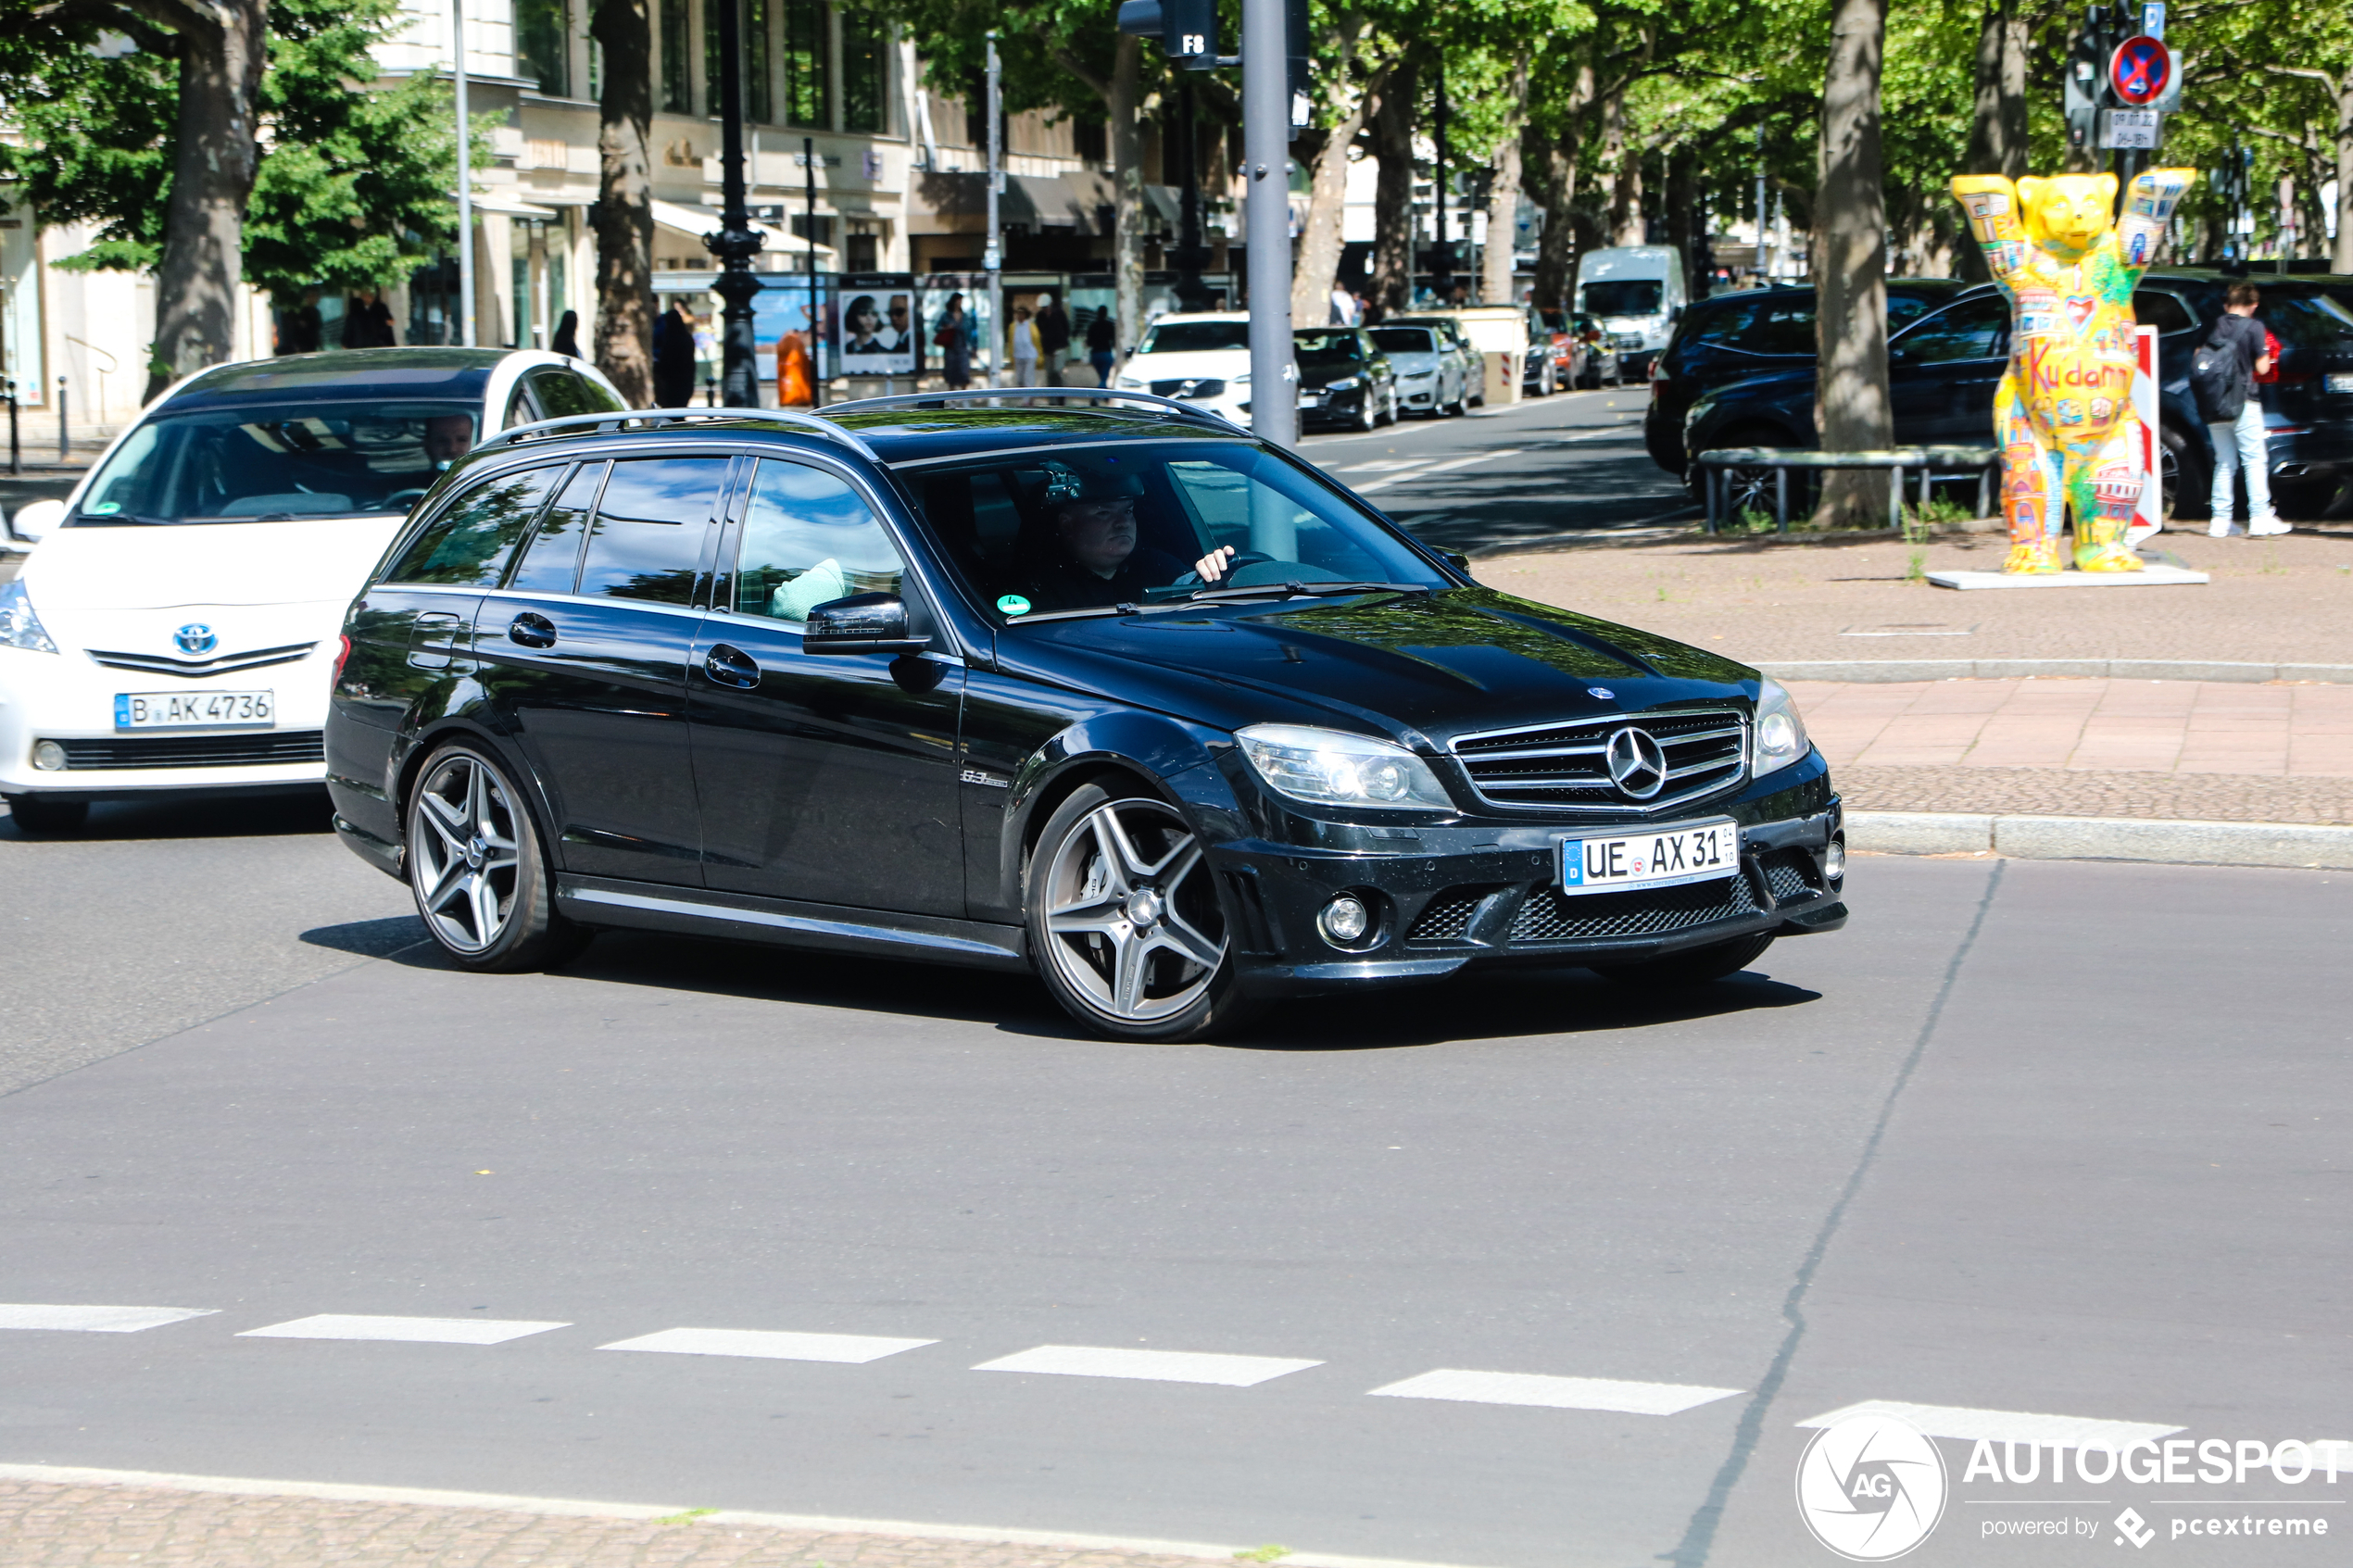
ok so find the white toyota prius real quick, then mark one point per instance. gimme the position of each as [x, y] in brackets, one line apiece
[178, 624]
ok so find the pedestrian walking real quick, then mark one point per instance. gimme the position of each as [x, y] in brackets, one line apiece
[707, 358]
[1343, 307]
[367, 322]
[1053, 339]
[1102, 340]
[674, 356]
[954, 341]
[2223, 376]
[1025, 346]
[567, 339]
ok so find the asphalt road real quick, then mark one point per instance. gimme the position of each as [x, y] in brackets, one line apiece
[2007, 1144]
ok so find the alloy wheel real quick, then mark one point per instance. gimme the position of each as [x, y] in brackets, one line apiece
[464, 856]
[1131, 912]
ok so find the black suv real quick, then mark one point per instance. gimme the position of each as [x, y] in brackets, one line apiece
[1116, 692]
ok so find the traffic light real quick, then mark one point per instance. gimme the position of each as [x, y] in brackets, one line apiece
[1187, 29]
[2087, 83]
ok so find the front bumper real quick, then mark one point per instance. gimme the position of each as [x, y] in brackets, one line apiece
[1455, 897]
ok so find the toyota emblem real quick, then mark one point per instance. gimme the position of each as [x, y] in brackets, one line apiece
[1637, 763]
[196, 637]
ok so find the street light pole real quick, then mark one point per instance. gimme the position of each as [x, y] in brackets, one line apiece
[1274, 399]
[992, 255]
[735, 243]
[465, 184]
[1441, 271]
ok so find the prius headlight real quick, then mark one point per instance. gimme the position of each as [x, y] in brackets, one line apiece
[20, 628]
[1333, 768]
[1781, 733]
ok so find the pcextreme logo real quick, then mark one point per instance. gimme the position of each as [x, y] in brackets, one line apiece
[1871, 1487]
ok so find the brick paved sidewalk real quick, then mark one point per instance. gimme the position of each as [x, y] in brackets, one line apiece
[2155, 749]
[45, 1524]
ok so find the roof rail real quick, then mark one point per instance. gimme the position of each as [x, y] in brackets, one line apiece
[1193, 411]
[651, 418]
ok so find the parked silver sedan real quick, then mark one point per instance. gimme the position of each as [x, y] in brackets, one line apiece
[1429, 376]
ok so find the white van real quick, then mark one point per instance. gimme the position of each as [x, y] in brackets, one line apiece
[1636, 292]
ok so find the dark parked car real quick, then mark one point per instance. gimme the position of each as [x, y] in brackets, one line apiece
[1729, 337]
[1942, 370]
[931, 679]
[1343, 378]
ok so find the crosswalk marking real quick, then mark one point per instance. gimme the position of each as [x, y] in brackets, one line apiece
[1562, 1393]
[427, 1331]
[1153, 1366]
[769, 1344]
[2012, 1426]
[95, 1320]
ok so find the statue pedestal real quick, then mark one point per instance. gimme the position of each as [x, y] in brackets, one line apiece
[2150, 576]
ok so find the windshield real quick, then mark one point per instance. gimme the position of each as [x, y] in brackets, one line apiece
[1404, 340]
[1627, 297]
[266, 462]
[1074, 529]
[1193, 337]
[1327, 348]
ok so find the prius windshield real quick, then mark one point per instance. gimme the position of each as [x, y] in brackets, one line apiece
[1089, 528]
[271, 463]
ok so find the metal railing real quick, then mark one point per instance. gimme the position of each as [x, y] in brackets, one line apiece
[1927, 460]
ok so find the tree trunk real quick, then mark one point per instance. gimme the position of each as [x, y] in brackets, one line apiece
[1320, 240]
[1682, 217]
[1850, 266]
[623, 215]
[1548, 168]
[1621, 166]
[2341, 258]
[1998, 130]
[1502, 199]
[215, 156]
[1392, 137]
[1124, 101]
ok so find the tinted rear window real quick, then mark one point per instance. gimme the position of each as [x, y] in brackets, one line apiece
[2306, 320]
[647, 543]
[469, 542]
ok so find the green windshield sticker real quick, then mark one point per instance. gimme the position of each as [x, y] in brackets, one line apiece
[106, 508]
[1014, 603]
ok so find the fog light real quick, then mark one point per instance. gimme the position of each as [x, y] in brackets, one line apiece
[1835, 859]
[48, 756]
[1344, 921]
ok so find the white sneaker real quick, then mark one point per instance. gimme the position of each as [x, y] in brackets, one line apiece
[2268, 525]
[2219, 529]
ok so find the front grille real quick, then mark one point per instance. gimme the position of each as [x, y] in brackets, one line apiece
[1564, 766]
[1655, 911]
[198, 751]
[189, 669]
[1791, 875]
[1447, 917]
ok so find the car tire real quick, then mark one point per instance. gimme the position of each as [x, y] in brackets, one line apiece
[1693, 966]
[478, 870]
[45, 816]
[2185, 477]
[1367, 413]
[1105, 858]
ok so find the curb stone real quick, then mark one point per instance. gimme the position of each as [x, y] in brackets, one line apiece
[1875, 672]
[2299, 845]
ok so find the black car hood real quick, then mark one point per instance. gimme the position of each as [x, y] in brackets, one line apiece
[1423, 669]
[1323, 375]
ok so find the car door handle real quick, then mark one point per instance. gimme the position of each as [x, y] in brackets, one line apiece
[532, 631]
[731, 667]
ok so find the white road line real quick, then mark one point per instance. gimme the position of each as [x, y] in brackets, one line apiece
[425, 1331]
[97, 1320]
[1562, 1393]
[1439, 468]
[2000, 1427]
[769, 1344]
[1152, 1366]
[1384, 465]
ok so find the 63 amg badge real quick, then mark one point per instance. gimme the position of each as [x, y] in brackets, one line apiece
[1870, 1488]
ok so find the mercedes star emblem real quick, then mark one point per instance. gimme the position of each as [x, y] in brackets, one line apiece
[1637, 764]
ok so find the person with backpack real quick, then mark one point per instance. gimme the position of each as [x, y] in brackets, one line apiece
[2223, 374]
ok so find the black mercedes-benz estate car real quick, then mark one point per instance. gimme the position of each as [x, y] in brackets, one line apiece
[1097, 686]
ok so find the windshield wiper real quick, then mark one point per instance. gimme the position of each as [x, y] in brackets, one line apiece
[1306, 590]
[119, 520]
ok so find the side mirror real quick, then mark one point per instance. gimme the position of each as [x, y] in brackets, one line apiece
[1457, 559]
[35, 520]
[862, 624]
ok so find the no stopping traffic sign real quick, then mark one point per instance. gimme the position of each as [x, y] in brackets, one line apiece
[2140, 70]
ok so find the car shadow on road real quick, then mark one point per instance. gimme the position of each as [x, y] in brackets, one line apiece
[370, 939]
[191, 816]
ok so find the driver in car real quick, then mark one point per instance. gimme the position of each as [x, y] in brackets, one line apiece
[447, 438]
[1095, 557]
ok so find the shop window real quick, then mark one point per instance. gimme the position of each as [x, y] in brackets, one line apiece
[1089, 141]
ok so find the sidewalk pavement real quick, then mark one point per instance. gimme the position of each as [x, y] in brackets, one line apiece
[48, 1525]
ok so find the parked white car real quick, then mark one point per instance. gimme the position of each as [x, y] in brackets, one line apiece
[1202, 357]
[1429, 375]
[177, 628]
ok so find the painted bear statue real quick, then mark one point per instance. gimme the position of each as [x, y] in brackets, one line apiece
[2063, 413]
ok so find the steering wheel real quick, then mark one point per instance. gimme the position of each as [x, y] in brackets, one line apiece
[1241, 558]
[401, 500]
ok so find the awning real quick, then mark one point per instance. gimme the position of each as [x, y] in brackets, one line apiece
[508, 207]
[695, 221]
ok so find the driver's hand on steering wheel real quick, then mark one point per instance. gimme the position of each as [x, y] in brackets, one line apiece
[1212, 566]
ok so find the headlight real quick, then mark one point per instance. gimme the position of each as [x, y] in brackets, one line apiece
[1332, 768]
[20, 628]
[1417, 375]
[1345, 383]
[1781, 733]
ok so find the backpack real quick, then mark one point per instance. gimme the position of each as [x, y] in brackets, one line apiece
[2219, 380]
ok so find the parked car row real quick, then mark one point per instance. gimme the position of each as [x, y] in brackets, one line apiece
[1741, 372]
